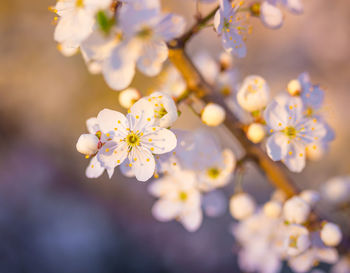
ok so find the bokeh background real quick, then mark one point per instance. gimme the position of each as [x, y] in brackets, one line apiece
[53, 219]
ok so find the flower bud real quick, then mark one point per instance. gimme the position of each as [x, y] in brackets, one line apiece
[337, 190]
[294, 87]
[309, 196]
[242, 205]
[225, 60]
[213, 114]
[128, 97]
[253, 94]
[296, 210]
[331, 234]
[256, 132]
[273, 209]
[87, 144]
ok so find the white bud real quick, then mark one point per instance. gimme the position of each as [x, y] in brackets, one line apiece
[225, 60]
[297, 240]
[87, 144]
[279, 195]
[242, 205]
[296, 210]
[331, 234]
[310, 196]
[213, 114]
[256, 132]
[294, 87]
[128, 97]
[273, 209]
[253, 94]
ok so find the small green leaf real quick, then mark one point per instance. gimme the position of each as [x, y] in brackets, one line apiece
[104, 22]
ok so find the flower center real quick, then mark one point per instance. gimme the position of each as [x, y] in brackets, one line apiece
[183, 196]
[290, 131]
[309, 111]
[145, 33]
[133, 140]
[213, 172]
[79, 3]
[293, 241]
[161, 112]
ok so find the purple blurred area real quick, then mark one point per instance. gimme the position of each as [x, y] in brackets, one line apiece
[54, 219]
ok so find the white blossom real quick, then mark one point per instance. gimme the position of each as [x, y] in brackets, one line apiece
[242, 205]
[273, 209]
[310, 196]
[336, 190]
[178, 199]
[134, 138]
[297, 240]
[256, 132]
[253, 94]
[331, 234]
[296, 210]
[87, 144]
[213, 114]
[128, 97]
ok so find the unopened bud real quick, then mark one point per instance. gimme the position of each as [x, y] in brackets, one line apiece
[294, 87]
[331, 234]
[87, 144]
[273, 209]
[242, 205]
[213, 114]
[128, 97]
[256, 132]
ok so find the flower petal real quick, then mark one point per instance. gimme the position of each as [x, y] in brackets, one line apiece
[112, 121]
[92, 125]
[295, 159]
[94, 169]
[192, 219]
[165, 210]
[271, 15]
[170, 26]
[142, 163]
[276, 146]
[159, 140]
[112, 154]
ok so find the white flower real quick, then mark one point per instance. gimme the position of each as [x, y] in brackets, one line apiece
[145, 32]
[315, 254]
[331, 234]
[310, 196]
[77, 18]
[312, 95]
[164, 107]
[134, 138]
[207, 66]
[296, 210]
[273, 209]
[178, 199]
[231, 26]
[337, 190]
[242, 205]
[213, 114]
[291, 132]
[219, 173]
[128, 97]
[297, 240]
[87, 144]
[253, 95]
[256, 132]
[67, 50]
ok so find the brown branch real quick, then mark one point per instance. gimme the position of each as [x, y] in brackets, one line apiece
[198, 86]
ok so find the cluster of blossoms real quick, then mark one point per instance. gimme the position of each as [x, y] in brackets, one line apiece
[190, 167]
[283, 230]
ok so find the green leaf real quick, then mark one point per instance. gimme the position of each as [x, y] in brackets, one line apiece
[104, 22]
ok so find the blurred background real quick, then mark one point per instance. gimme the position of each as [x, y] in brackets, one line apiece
[54, 219]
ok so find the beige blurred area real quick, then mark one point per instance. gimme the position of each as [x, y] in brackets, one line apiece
[45, 99]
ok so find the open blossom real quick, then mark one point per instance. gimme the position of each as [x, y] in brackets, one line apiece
[134, 138]
[145, 32]
[232, 28]
[219, 173]
[179, 199]
[297, 240]
[253, 94]
[164, 107]
[77, 19]
[291, 132]
[90, 145]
